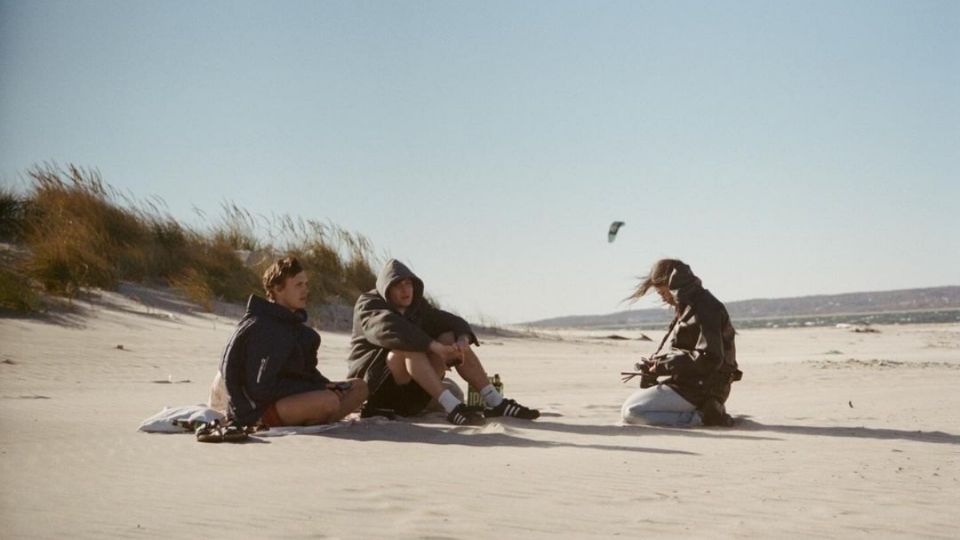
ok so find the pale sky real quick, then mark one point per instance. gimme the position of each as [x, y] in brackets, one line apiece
[781, 148]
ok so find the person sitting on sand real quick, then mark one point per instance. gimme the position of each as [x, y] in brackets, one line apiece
[700, 364]
[270, 364]
[402, 346]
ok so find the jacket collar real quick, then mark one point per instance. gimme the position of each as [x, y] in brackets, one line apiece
[259, 307]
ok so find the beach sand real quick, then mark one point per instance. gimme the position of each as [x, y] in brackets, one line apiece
[839, 434]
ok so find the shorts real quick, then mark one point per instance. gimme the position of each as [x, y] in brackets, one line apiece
[270, 417]
[404, 399]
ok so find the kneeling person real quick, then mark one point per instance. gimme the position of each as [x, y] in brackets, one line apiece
[270, 364]
[402, 346]
[700, 363]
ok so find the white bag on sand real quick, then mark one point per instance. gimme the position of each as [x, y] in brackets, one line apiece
[218, 394]
[162, 422]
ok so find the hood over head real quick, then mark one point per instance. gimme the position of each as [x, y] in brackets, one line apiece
[394, 271]
[683, 284]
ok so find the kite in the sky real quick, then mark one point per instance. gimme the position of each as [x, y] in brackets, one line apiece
[614, 227]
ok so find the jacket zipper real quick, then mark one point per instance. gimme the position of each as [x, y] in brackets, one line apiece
[263, 366]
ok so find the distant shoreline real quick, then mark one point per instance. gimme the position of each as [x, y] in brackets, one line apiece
[925, 316]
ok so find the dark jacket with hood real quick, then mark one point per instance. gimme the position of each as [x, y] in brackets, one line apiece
[702, 360]
[271, 355]
[378, 327]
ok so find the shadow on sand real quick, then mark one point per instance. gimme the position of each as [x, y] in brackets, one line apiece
[854, 432]
[430, 433]
[636, 431]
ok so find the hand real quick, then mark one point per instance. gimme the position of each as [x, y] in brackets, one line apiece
[648, 365]
[446, 353]
[648, 370]
[462, 345]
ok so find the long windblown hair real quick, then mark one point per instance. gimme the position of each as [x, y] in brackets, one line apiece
[659, 276]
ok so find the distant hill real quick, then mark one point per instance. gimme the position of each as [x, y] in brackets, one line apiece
[936, 304]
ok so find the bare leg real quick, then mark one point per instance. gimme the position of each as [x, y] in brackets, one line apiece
[308, 408]
[353, 398]
[321, 406]
[426, 370]
[471, 369]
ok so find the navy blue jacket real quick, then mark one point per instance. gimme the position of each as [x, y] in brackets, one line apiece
[271, 355]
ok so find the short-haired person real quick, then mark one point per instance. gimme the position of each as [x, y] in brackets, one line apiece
[700, 362]
[270, 364]
[402, 346]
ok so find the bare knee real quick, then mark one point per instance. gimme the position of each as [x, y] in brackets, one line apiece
[325, 407]
[397, 364]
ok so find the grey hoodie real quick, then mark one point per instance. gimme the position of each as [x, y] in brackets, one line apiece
[378, 327]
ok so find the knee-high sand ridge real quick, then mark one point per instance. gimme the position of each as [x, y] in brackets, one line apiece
[839, 434]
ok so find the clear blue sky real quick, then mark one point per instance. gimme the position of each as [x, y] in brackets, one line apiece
[781, 148]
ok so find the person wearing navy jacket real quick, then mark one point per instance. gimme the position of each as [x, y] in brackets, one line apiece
[269, 366]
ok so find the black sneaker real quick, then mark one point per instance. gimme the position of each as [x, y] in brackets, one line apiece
[369, 412]
[511, 408]
[463, 415]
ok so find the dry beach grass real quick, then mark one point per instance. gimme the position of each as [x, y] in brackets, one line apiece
[70, 231]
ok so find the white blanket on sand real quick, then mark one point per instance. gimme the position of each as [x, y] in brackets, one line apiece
[163, 422]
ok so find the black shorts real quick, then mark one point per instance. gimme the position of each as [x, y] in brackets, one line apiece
[404, 399]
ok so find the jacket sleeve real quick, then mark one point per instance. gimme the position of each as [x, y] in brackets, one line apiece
[313, 360]
[388, 329]
[705, 358]
[264, 357]
[437, 321]
[318, 377]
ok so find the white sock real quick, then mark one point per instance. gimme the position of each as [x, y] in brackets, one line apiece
[448, 401]
[490, 396]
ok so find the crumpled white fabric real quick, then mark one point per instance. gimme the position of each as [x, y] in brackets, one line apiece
[162, 422]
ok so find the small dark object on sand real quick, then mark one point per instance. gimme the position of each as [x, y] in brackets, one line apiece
[119, 347]
[850, 403]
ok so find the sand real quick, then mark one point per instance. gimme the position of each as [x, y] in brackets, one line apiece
[840, 434]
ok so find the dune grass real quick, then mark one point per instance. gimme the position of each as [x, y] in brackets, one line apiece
[78, 233]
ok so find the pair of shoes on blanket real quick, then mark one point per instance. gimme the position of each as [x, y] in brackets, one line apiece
[217, 431]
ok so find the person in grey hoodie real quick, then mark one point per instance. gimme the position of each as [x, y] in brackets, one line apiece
[402, 346]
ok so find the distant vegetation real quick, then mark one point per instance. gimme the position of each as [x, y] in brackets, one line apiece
[70, 231]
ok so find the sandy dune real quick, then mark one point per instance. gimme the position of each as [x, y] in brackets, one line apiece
[841, 434]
